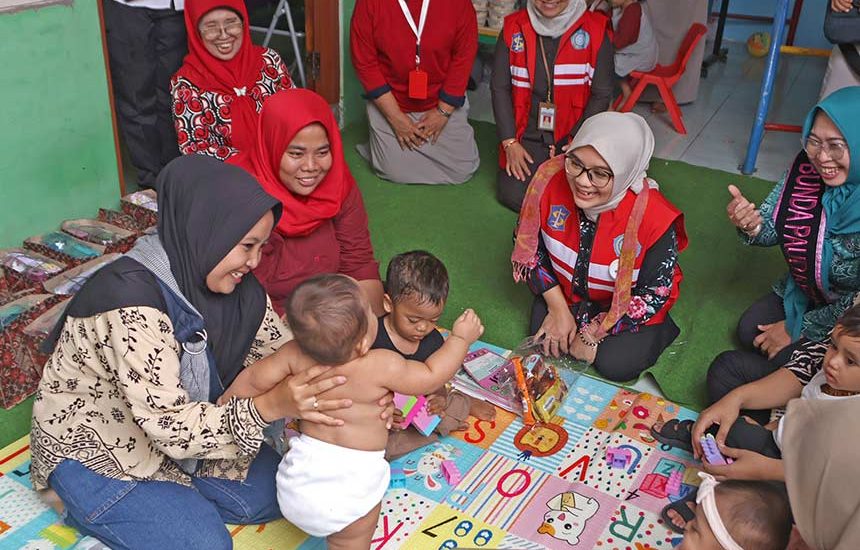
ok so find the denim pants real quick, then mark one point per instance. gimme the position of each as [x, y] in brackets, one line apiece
[166, 515]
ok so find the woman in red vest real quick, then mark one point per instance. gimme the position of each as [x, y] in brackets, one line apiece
[598, 244]
[537, 115]
[298, 159]
[219, 90]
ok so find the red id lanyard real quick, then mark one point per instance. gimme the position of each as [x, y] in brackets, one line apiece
[418, 81]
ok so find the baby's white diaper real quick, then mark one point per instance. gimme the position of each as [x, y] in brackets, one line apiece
[322, 487]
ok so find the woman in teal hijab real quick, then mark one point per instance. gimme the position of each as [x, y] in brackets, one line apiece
[813, 215]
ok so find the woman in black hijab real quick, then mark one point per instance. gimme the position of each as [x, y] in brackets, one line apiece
[125, 425]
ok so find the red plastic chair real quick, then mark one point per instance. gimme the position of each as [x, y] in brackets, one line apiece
[665, 77]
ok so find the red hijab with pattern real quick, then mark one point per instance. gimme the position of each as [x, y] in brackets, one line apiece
[235, 78]
[284, 114]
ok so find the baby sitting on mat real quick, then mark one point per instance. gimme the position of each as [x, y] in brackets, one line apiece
[416, 289]
[332, 479]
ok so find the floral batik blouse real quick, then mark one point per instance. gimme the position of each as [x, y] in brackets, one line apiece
[110, 398]
[649, 295]
[202, 117]
[844, 270]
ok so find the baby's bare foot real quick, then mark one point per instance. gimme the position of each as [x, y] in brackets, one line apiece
[677, 520]
[481, 409]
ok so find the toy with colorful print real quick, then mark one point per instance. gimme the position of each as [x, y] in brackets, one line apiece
[414, 409]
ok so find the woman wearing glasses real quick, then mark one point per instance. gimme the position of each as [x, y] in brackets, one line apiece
[813, 215]
[219, 90]
[598, 244]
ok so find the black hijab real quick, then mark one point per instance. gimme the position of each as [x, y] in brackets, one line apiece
[205, 208]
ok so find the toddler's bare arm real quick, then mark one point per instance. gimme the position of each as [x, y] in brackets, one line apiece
[414, 377]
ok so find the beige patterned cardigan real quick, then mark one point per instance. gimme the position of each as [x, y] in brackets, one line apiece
[110, 398]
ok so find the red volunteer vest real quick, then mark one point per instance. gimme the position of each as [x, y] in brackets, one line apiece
[572, 73]
[560, 232]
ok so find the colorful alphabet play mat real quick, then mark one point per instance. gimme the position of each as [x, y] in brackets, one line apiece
[549, 487]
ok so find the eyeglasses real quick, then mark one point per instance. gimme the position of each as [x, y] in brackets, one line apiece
[834, 149]
[212, 32]
[599, 177]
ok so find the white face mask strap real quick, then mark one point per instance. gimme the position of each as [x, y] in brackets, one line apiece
[707, 501]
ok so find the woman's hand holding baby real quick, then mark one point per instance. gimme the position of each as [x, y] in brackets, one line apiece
[296, 397]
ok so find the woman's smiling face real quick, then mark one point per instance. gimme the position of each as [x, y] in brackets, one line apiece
[222, 32]
[551, 8]
[825, 142]
[242, 258]
[307, 160]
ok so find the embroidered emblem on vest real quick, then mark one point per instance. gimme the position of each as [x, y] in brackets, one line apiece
[240, 91]
[518, 43]
[618, 241]
[580, 39]
[558, 215]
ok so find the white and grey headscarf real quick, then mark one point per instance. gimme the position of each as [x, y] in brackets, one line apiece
[626, 143]
[553, 27]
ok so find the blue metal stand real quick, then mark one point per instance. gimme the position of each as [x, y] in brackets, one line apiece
[766, 86]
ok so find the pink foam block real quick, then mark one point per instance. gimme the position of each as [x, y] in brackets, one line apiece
[673, 486]
[425, 423]
[450, 472]
[410, 406]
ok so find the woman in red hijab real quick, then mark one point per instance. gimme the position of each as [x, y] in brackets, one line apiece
[298, 159]
[219, 90]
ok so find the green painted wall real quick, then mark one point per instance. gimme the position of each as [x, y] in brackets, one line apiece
[353, 103]
[57, 157]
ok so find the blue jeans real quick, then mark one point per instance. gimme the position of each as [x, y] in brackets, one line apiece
[165, 515]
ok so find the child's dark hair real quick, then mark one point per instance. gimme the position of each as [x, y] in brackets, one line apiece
[850, 321]
[758, 516]
[417, 273]
[328, 316]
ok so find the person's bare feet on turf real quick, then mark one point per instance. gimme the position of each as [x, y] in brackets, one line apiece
[676, 518]
[482, 410]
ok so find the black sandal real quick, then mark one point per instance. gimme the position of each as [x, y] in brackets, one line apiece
[680, 507]
[676, 433]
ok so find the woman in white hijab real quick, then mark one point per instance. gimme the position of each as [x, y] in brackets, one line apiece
[598, 244]
[536, 114]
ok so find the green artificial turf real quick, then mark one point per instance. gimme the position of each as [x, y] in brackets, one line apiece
[472, 234]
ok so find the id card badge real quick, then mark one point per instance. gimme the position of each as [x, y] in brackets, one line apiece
[546, 116]
[417, 84]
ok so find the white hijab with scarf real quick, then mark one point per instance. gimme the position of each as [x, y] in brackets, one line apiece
[626, 143]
